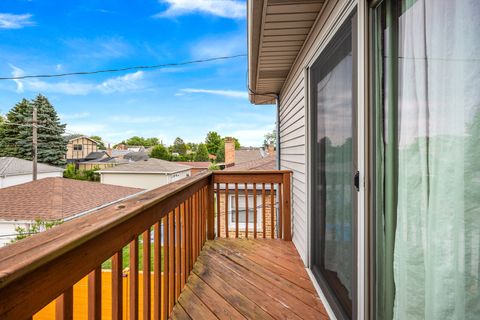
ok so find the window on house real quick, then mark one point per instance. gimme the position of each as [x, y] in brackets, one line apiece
[242, 211]
[77, 147]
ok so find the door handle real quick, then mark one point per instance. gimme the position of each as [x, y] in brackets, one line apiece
[356, 181]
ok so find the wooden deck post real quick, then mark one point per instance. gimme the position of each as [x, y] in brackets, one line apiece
[64, 305]
[287, 203]
[211, 210]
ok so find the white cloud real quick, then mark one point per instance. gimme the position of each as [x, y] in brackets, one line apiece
[100, 49]
[123, 83]
[137, 119]
[73, 116]
[225, 93]
[211, 47]
[87, 128]
[222, 8]
[15, 21]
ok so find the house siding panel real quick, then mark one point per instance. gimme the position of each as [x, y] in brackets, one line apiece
[293, 120]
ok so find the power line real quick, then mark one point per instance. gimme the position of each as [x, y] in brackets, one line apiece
[57, 75]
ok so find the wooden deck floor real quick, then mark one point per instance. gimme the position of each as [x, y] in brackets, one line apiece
[249, 279]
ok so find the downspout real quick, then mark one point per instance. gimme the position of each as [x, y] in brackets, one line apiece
[277, 137]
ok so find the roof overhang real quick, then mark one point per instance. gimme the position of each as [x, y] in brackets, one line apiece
[277, 30]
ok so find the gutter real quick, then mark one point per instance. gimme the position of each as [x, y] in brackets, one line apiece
[277, 137]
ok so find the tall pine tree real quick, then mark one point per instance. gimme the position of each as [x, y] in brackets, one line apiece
[16, 132]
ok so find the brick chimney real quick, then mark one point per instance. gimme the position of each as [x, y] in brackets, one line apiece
[229, 152]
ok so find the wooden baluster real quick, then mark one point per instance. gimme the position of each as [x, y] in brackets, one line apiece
[210, 196]
[134, 279]
[226, 210]
[95, 294]
[287, 232]
[146, 274]
[178, 255]
[117, 286]
[183, 247]
[199, 225]
[188, 236]
[246, 211]
[64, 305]
[236, 210]
[194, 229]
[166, 269]
[280, 212]
[272, 211]
[157, 272]
[264, 223]
[218, 210]
[255, 210]
[171, 275]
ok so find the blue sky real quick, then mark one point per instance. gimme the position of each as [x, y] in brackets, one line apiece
[51, 36]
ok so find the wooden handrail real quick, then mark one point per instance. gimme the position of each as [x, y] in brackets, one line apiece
[37, 270]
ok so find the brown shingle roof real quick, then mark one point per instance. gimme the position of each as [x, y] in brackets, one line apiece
[267, 163]
[196, 164]
[57, 198]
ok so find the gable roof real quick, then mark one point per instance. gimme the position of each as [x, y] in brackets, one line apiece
[251, 154]
[266, 163]
[151, 165]
[11, 166]
[57, 198]
[196, 164]
[72, 137]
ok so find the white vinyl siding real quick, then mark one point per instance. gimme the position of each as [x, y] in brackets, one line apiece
[293, 119]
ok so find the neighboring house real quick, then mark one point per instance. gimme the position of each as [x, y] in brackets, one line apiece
[266, 163]
[79, 147]
[15, 171]
[378, 112]
[197, 166]
[134, 156]
[114, 153]
[53, 199]
[147, 174]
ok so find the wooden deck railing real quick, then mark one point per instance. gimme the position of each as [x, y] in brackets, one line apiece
[181, 216]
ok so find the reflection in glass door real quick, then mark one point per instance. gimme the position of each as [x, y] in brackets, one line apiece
[333, 169]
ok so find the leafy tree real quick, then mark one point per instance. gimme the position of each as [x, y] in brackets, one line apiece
[160, 152]
[221, 152]
[213, 166]
[101, 144]
[213, 142]
[179, 146]
[140, 141]
[270, 138]
[87, 175]
[192, 146]
[237, 143]
[16, 132]
[202, 153]
[36, 227]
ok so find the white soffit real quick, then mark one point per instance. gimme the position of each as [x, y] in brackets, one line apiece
[277, 30]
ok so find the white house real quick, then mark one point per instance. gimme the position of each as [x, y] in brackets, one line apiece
[53, 199]
[15, 171]
[378, 118]
[147, 174]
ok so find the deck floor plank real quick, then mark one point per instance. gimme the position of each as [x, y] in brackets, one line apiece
[249, 279]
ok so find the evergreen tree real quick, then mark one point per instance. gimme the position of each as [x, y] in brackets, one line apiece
[16, 132]
[202, 153]
[221, 152]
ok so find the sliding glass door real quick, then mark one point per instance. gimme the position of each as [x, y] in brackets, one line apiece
[332, 86]
[427, 159]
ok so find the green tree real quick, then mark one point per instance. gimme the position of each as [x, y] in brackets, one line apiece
[16, 132]
[160, 152]
[141, 141]
[221, 152]
[36, 227]
[101, 144]
[179, 146]
[202, 153]
[270, 138]
[237, 143]
[213, 142]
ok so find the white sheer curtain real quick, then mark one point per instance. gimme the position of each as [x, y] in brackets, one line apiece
[436, 258]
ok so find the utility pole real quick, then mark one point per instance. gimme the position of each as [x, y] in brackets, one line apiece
[34, 143]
